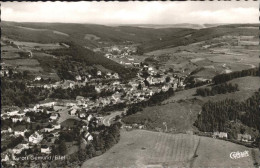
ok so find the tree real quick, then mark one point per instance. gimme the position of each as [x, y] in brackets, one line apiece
[82, 155]
[139, 50]
[54, 150]
[90, 150]
[63, 148]
[38, 127]
[117, 118]
[167, 79]
[139, 87]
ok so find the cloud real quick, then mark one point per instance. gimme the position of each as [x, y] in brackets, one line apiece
[232, 15]
[132, 12]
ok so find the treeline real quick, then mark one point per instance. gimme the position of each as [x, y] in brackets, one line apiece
[215, 115]
[217, 89]
[237, 74]
[155, 99]
[114, 107]
[85, 91]
[191, 82]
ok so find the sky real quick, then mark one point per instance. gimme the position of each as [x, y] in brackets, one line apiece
[195, 12]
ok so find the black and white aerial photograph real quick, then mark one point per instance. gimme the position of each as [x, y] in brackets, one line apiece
[161, 84]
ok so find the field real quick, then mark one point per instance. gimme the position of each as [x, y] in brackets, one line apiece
[9, 55]
[179, 116]
[141, 148]
[215, 153]
[23, 62]
[30, 45]
[223, 54]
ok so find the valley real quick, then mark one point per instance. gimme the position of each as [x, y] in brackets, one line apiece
[130, 95]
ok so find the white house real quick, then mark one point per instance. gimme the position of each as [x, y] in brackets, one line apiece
[45, 149]
[57, 126]
[99, 73]
[54, 116]
[78, 77]
[49, 129]
[90, 117]
[20, 132]
[244, 137]
[109, 74]
[220, 134]
[16, 119]
[88, 136]
[73, 112]
[38, 78]
[4, 157]
[82, 114]
[35, 138]
[165, 88]
[12, 113]
[150, 69]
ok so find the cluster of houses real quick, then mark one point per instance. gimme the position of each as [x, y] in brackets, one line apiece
[122, 55]
[43, 138]
[79, 82]
[240, 137]
[36, 138]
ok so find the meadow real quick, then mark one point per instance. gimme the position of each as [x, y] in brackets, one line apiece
[141, 148]
[216, 153]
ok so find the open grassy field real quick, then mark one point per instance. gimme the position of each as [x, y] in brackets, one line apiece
[216, 153]
[179, 116]
[23, 62]
[9, 55]
[30, 45]
[141, 148]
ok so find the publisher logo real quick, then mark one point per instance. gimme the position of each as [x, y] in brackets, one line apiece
[237, 155]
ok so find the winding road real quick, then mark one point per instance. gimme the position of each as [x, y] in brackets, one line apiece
[106, 120]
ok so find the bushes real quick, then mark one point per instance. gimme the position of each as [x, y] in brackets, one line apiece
[16, 93]
[12, 143]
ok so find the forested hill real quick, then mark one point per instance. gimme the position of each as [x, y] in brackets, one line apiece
[200, 35]
[59, 32]
[150, 38]
[216, 116]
